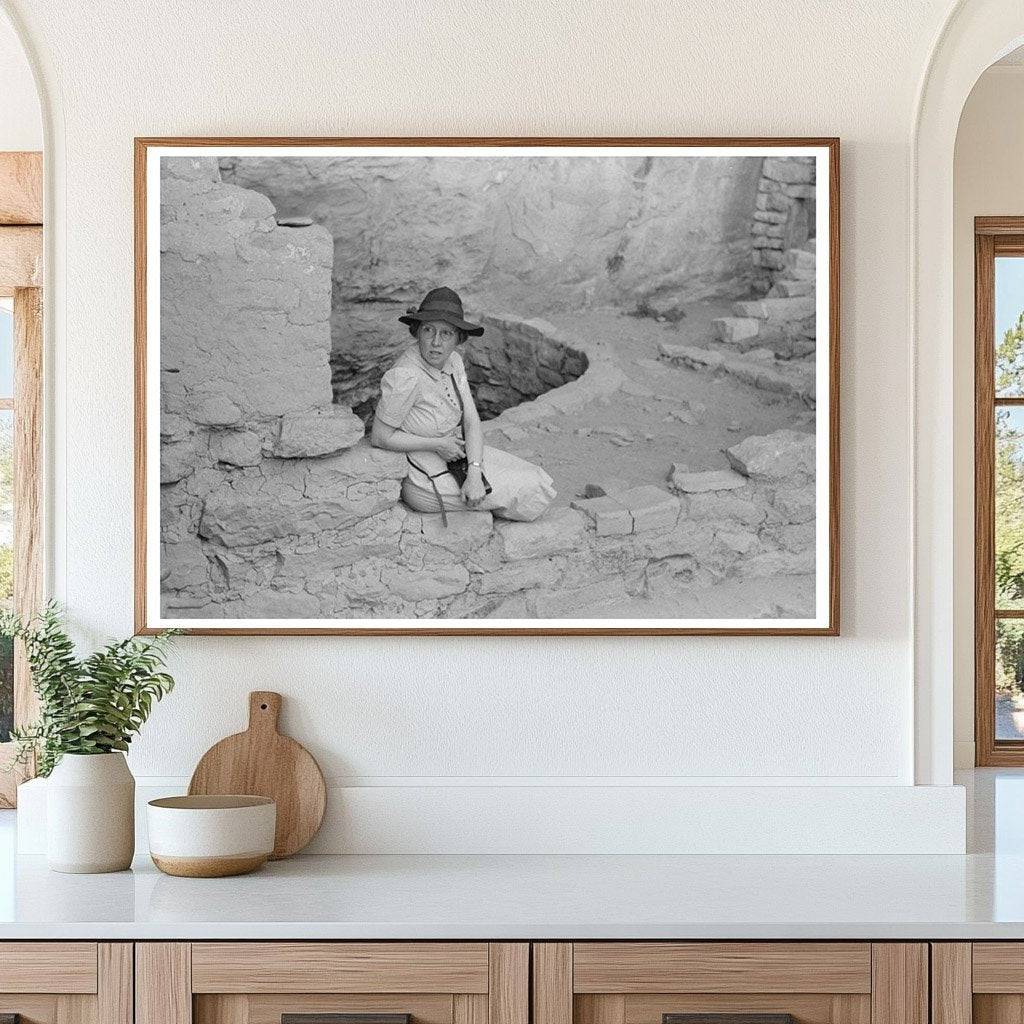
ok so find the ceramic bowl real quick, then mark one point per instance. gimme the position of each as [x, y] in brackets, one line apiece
[211, 836]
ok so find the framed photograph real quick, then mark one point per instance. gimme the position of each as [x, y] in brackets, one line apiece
[487, 385]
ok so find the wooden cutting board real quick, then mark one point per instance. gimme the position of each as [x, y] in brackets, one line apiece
[262, 762]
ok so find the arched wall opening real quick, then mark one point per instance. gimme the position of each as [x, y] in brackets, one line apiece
[21, 121]
[986, 182]
[976, 34]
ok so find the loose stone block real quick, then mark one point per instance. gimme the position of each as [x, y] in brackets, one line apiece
[789, 289]
[321, 432]
[750, 309]
[782, 310]
[557, 531]
[236, 447]
[651, 508]
[465, 530]
[776, 456]
[699, 483]
[610, 518]
[735, 328]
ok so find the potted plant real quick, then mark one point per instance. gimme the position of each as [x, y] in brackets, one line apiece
[89, 709]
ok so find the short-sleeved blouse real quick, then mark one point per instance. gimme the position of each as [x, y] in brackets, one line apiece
[420, 399]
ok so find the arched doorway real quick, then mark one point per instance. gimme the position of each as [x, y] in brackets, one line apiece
[21, 250]
[975, 35]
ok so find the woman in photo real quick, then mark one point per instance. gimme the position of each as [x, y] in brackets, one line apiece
[426, 410]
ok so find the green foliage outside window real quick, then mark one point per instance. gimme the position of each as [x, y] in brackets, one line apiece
[1009, 509]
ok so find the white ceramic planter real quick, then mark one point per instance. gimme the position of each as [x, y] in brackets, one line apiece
[90, 814]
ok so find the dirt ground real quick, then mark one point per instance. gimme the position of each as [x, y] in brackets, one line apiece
[667, 414]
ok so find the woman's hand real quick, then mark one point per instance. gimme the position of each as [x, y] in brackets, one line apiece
[450, 448]
[473, 491]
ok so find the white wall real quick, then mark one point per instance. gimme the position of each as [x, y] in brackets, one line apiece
[988, 181]
[443, 713]
[21, 125]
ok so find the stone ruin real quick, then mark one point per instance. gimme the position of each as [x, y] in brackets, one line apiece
[274, 505]
[534, 236]
[784, 217]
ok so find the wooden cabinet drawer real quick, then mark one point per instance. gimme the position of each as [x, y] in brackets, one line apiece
[722, 967]
[814, 982]
[48, 967]
[258, 982]
[62, 982]
[340, 967]
[981, 982]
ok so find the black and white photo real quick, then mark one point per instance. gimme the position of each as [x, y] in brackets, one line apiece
[457, 386]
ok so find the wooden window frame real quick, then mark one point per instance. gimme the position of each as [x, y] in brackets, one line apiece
[21, 271]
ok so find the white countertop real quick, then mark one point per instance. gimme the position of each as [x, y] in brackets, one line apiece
[532, 897]
[977, 896]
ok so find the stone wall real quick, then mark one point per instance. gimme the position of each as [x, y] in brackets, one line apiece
[516, 361]
[530, 234]
[331, 540]
[245, 378]
[784, 323]
[785, 215]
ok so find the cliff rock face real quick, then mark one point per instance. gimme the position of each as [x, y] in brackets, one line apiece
[532, 235]
[541, 233]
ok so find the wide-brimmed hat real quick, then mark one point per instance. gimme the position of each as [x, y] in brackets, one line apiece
[441, 304]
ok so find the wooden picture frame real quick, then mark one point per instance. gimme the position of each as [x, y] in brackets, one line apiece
[825, 619]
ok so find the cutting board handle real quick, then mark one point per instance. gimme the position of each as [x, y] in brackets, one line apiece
[264, 710]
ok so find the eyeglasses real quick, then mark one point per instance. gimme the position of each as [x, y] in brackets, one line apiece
[446, 333]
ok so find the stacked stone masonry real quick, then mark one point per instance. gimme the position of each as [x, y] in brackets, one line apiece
[785, 214]
[784, 323]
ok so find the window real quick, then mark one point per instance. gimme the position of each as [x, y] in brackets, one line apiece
[21, 365]
[999, 490]
[6, 510]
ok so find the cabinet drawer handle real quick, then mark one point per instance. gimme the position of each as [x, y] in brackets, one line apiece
[728, 1018]
[339, 1018]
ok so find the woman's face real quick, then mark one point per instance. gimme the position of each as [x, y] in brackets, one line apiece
[437, 341]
